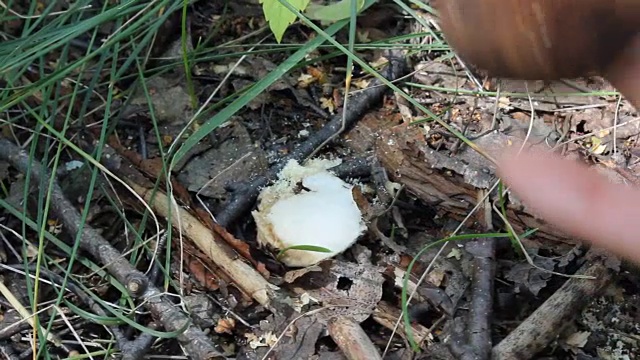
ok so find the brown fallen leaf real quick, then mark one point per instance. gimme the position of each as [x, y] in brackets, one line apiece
[225, 325]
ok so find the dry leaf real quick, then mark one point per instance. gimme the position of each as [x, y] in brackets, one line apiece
[327, 103]
[225, 325]
[304, 80]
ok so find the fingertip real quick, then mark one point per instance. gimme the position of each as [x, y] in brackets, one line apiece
[517, 168]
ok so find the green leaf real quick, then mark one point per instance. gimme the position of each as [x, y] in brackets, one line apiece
[334, 12]
[279, 17]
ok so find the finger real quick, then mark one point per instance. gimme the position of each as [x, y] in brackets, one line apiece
[577, 200]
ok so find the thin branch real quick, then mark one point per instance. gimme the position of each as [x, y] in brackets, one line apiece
[195, 341]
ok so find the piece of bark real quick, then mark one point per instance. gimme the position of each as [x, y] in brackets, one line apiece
[546, 323]
[300, 336]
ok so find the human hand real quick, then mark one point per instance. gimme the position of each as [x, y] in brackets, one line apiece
[566, 194]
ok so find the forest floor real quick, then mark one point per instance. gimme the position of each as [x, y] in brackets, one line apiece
[137, 145]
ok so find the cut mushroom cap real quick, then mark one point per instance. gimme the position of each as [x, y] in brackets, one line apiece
[323, 214]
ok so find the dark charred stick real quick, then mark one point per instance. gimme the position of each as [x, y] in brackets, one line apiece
[480, 311]
[381, 179]
[352, 168]
[471, 337]
[244, 196]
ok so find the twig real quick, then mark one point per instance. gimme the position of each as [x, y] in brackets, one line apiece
[24, 313]
[245, 276]
[544, 325]
[205, 238]
[387, 315]
[480, 311]
[194, 340]
[130, 349]
[352, 340]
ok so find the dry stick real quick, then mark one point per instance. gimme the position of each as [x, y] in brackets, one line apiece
[242, 273]
[235, 266]
[194, 340]
[129, 349]
[387, 315]
[545, 324]
[24, 313]
[244, 196]
[475, 342]
[352, 340]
